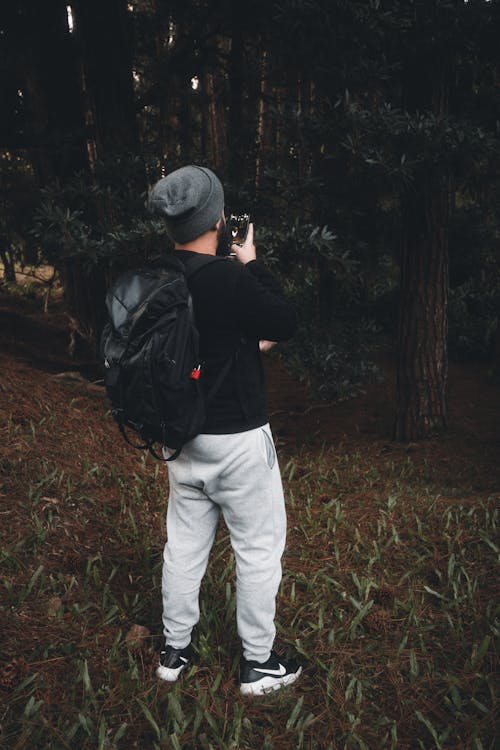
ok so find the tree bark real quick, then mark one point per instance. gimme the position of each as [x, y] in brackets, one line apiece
[265, 149]
[422, 370]
[422, 366]
[84, 293]
[235, 116]
[216, 122]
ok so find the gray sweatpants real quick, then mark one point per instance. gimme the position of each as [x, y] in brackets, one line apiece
[237, 474]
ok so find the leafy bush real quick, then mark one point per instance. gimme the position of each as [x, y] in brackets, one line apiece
[473, 320]
[336, 365]
[332, 350]
[99, 219]
[18, 196]
[474, 301]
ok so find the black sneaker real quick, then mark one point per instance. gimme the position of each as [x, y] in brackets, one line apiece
[258, 678]
[173, 661]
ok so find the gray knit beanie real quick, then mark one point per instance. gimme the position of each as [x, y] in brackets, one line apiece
[191, 200]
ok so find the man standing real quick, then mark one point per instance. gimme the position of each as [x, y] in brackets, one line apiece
[231, 468]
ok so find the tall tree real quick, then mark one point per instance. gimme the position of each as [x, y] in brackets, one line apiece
[422, 369]
[442, 44]
[104, 33]
[44, 63]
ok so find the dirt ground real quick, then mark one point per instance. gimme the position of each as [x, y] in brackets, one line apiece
[34, 357]
[66, 481]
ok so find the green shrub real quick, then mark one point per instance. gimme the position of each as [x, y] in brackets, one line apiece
[332, 350]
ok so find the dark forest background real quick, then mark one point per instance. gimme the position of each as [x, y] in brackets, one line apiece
[363, 137]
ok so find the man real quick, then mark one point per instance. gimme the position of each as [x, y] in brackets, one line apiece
[230, 468]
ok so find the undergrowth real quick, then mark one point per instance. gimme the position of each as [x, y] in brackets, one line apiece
[388, 596]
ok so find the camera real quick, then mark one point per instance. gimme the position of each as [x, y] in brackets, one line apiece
[238, 228]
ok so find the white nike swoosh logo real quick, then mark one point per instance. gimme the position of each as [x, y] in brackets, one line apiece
[182, 658]
[279, 672]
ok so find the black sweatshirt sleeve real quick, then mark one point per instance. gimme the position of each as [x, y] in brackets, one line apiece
[260, 307]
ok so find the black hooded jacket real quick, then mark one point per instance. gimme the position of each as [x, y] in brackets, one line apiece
[235, 307]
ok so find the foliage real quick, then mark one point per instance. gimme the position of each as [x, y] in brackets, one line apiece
[474, 320]
[332, 350]
[319, 117]
[19, 193]
[99, 219]
[474, 281]
[337, 364]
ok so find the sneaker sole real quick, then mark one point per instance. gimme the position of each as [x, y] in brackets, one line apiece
[269, 683]
[168, 674]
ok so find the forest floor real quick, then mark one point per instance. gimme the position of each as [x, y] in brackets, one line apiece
[389, 592]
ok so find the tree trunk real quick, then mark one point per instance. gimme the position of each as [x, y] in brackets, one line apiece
[84, 293]
[495, 370]
[422, 371]
[51, 87]
[422, 366]
[235, 122]
[265, 150]
[304, 151]
[104, 32]
[216, 141]
[9, 270]
[186, 124]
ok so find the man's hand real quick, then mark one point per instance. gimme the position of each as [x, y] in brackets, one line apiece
[265, 346]
[246, 252]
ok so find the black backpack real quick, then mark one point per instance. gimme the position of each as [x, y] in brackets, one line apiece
[153, 372]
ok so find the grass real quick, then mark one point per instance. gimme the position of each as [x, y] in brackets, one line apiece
[389, 596]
